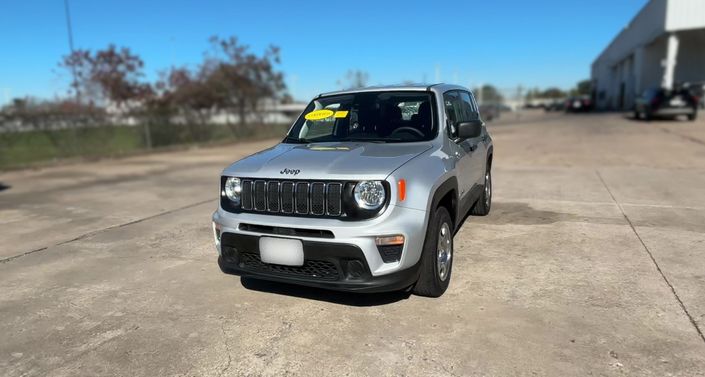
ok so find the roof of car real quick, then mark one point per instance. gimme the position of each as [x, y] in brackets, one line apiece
[402, 87]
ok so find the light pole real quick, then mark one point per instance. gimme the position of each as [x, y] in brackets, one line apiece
[70, 36]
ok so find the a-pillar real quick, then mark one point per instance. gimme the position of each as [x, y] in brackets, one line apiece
[669, 64]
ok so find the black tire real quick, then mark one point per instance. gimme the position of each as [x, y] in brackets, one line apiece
[691, 117]
[637, 116]
[484, 203]
[432, 282]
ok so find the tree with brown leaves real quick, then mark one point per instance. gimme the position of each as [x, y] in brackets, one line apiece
[241, 79]
[110, 75]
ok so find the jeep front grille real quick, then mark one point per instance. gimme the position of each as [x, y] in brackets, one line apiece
[292, 197]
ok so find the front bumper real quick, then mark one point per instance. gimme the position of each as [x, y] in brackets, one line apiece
[326, 265]
[327, 258]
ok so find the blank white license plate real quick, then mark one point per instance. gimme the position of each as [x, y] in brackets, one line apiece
[284, 251]
[677, 102]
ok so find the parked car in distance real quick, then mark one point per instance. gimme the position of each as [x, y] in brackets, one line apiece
[556, 105]
[364, 193]
[665, 103]
[535, 104]
[489, 111]
[504, 108]
[579, 104]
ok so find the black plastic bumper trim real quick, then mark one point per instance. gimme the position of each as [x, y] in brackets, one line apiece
[340, 254]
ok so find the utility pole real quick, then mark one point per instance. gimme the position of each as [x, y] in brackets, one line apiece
[70, 35]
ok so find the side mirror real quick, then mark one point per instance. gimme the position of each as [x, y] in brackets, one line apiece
[468, 130]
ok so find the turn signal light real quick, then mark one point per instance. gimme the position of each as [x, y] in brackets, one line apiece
[389, 240]
[401, 185]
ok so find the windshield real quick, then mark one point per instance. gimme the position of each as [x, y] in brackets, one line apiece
[369, 116]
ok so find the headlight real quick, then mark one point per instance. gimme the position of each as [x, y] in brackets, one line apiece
[370, 194]
[233, 188]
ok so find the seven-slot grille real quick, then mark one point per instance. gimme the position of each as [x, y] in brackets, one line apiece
[292, 197]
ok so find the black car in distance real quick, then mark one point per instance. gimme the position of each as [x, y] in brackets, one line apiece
[665, 103]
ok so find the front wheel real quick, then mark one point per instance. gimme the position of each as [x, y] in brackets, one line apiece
[437, 256]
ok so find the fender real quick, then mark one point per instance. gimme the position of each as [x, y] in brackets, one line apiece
[490, 152]
[450, 185]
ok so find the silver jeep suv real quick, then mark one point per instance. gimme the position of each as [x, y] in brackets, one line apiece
[365, 192]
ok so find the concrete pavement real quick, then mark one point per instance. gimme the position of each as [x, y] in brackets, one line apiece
[591, 263]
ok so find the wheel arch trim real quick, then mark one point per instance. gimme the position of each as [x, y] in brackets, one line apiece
[448, 186]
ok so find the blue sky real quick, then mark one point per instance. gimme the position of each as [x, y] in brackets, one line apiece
[506, 43]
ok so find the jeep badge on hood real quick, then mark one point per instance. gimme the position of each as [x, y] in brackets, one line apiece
[290, 171]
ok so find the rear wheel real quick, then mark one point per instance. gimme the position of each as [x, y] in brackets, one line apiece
[691, 117]
[437, 256]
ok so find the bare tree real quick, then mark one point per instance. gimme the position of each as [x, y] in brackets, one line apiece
[582, 88]
[489, 94]
[354, 79]
[187, 94]
[110, 74]
[241, 79]
[554, 93]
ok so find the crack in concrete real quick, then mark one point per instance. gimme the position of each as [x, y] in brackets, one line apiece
[684, 137]
[591, 203]
[94, 232]
[653, 259]
[227, 348]
[8, 259]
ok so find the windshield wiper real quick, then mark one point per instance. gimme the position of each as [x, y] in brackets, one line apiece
[295, 140]
[371, 140]
[365, 140]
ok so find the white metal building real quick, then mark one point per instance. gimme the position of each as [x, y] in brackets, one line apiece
[662, 46]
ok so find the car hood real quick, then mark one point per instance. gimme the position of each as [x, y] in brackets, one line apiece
[342, 160]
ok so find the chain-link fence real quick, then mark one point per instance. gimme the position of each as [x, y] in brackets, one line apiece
[37, 135]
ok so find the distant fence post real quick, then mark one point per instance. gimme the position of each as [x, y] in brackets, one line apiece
[147, 135]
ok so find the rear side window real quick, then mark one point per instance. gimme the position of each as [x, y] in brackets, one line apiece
[469, 109]
[451, 102]
[474, 102]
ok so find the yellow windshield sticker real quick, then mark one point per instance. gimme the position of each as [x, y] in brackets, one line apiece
[319, 114]
[341, 114]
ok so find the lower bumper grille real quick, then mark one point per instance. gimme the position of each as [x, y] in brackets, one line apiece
[312, 269]
[390, 253]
